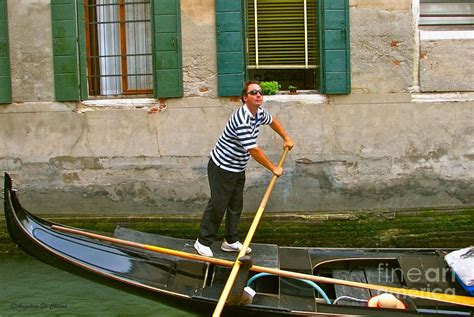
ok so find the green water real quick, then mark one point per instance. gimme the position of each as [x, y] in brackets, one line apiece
[31, 288]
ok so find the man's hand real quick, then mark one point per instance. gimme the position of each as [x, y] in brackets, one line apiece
[277, 170]
[288, 142]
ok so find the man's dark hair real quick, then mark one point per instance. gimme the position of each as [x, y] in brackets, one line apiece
[244, 90]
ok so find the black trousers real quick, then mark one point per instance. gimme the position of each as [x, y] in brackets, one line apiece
[227, 196]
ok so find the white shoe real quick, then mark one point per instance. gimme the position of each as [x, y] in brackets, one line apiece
[202, 249]
[233, 247]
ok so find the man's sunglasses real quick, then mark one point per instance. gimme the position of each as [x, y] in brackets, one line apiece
[254, 92]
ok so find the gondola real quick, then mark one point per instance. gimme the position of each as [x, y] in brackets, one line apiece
[193, 285]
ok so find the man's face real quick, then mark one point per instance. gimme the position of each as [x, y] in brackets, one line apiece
[254, 96]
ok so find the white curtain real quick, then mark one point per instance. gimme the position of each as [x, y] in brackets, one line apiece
[138, 41]
[109, 47]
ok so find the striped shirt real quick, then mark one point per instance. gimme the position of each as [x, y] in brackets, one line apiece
[240, 135]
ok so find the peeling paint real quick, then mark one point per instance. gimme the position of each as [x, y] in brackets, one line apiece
[395, 43]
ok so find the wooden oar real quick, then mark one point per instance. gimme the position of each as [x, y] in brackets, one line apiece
[235, 268]
[447, 298]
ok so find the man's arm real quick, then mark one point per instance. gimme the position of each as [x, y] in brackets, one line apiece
[260, 156]
[278, 128]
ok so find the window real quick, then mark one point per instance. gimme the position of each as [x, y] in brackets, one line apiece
[282, 42]
[5, 81]
[304, 43]
[118, 43]
[446, 12]
[116, 48]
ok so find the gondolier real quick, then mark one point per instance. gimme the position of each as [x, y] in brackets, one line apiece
[226, 169]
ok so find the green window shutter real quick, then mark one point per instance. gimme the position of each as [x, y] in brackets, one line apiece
[65, 50]
[82, 49]
[230, 47]
[335, 53]
[168, 72]
[5, 80]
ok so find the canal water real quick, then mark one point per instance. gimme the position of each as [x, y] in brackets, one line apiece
[29, 287]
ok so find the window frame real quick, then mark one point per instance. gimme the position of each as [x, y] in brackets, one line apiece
[334, 34]
[446, 13]
[69, 51]
[257, 43]
[93, 70]
[297, 63]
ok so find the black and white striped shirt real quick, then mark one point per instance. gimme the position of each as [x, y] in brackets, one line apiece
[239, 136]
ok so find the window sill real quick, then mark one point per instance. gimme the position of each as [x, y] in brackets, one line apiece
[442, 97]
[300, 97]
[432, 35]
[132, 103]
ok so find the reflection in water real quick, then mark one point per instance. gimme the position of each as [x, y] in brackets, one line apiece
[31, 288]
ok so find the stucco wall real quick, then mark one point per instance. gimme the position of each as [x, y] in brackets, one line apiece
[447, 65]
[31, 50]
[374, 148]
[382, 46]
[348, 156]
[199, 48]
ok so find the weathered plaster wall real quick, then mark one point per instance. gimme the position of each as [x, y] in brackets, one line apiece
[382, 45]
[356, 155]
[374, 148]
[447, 65]
[199, 48]
[30, 39]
